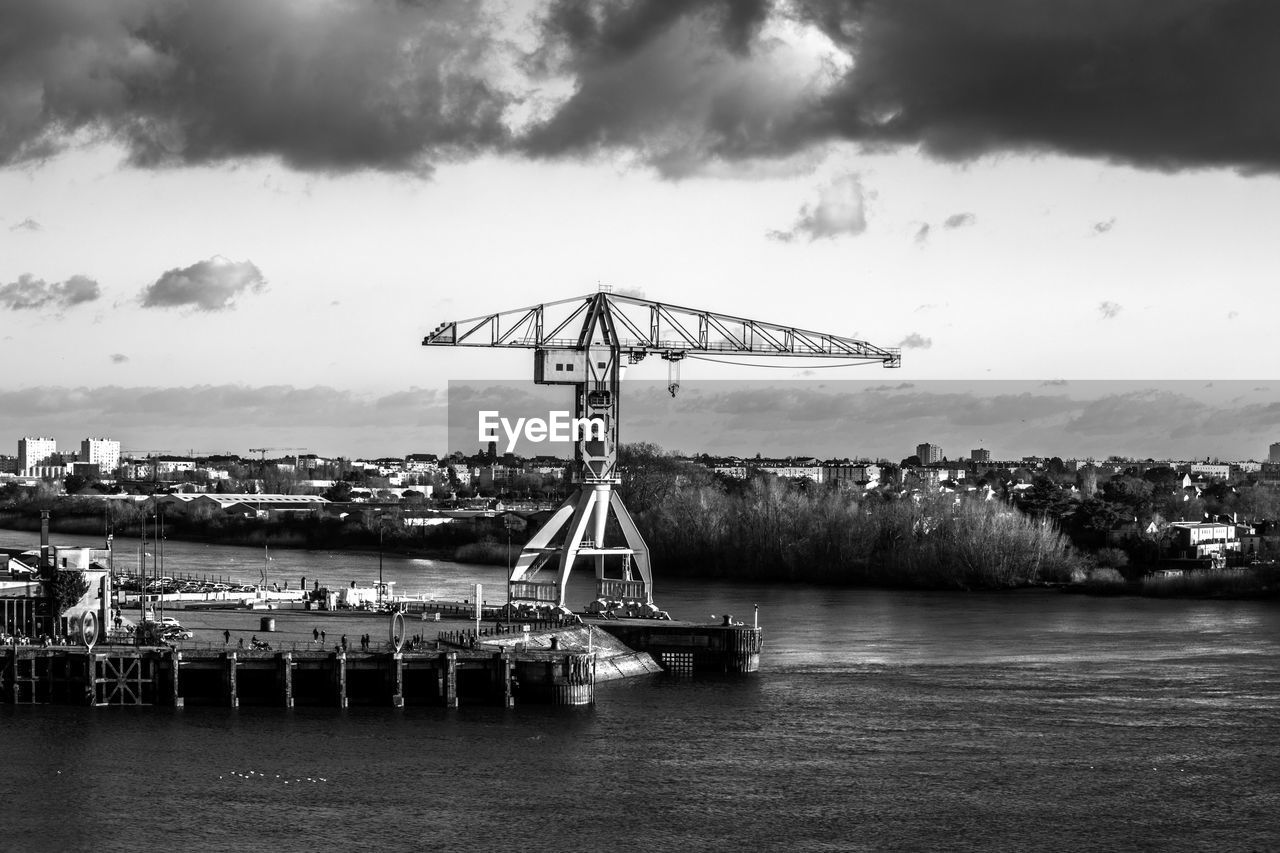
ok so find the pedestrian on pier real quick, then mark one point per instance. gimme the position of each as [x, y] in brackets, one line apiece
[322, 633]
[226, 637]
[344, 642]
[242, 642]
[302, 584]
[315, 632]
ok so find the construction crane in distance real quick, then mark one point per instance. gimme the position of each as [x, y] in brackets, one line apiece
[262, 451]
[581, 342]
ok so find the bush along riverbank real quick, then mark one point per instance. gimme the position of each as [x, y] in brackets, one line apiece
[771, 529]
[1246, 582]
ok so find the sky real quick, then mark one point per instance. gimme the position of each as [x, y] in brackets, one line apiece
[229, 224]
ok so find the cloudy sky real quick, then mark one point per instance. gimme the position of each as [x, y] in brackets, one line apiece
[229, 224]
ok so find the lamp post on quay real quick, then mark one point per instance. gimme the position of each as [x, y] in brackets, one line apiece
[380, 528]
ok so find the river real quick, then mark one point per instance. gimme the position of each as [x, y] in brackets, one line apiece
[879, 721]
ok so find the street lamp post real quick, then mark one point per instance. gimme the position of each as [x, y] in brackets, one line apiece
[380, 560]
[160, 548]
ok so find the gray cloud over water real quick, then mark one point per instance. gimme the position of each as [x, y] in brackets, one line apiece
[851, 417]
[820, 417]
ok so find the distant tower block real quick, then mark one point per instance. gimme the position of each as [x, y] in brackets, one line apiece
[929, 453]
[103, 452]
[36, 451]
[980, 455]
[1274, 455]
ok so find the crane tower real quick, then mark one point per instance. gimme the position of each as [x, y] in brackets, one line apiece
[581, 343]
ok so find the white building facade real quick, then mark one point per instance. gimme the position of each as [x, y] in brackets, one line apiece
[102, 452]
[36, 452]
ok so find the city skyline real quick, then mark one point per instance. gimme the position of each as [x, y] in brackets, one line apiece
[249, 248]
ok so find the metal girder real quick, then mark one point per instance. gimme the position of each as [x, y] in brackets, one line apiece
[640, 326]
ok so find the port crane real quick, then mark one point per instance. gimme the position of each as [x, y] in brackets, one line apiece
[580, 342]
[262, 451]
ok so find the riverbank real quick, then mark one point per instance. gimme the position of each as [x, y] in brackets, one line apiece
[268, 534]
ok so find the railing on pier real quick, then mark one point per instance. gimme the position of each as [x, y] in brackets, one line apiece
[611, 588]
[468, 638]
[455, 610]
[534, 591]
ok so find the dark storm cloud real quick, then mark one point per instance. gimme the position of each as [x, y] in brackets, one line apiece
[1164, 85]
[211, 285]
[334, 86]
[677, 81]
[30, 293]
[354, 84]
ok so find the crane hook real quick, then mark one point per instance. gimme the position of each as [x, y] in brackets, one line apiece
[673, 373]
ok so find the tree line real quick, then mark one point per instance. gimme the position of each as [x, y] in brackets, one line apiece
[768, 528]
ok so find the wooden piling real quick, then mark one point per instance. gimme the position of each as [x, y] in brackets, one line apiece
[449, 678]
[175, 667]
[395, 675]
[229, 679]
[284, 674]
[340, 677]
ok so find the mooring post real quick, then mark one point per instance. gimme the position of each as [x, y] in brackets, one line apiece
[284, 675]
[229, 662]
[450, 679]
[395, 675]
[340, 677]
[508, 696]
[175, 667]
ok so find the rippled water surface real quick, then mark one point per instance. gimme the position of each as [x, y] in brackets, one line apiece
[880, 721]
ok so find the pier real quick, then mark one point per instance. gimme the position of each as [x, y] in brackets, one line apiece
[500, 665]
[160, 676]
